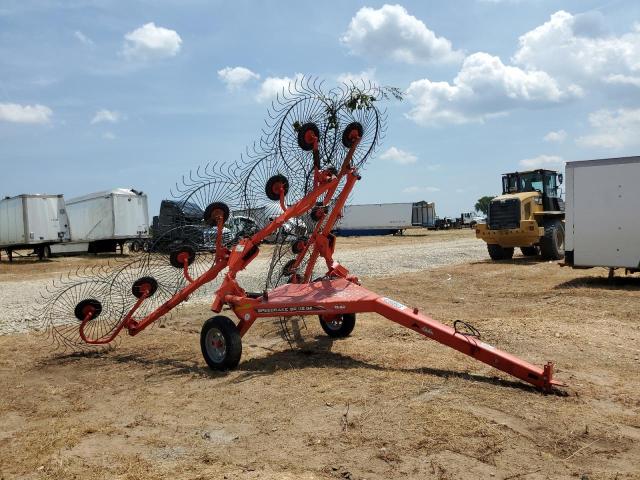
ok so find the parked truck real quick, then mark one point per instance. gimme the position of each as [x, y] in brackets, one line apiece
[101, 221]
[183, 222]
[385, 218]
[603, 200]
[32, 221]
[468, 220]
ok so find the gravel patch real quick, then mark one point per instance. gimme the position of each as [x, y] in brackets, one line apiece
[396, 259]
[19, 299]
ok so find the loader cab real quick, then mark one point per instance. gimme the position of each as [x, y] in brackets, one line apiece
[545, 182]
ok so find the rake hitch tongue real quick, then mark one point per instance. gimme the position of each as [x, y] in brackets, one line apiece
[311, 153]
[339, 296]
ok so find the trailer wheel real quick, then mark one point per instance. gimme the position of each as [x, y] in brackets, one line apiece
[496, 252]
[529, 251]
[221, 343]
[552, 244]
[338, 326]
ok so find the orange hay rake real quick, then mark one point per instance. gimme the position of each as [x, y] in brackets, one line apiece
[293, 186]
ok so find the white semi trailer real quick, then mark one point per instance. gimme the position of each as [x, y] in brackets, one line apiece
[385, 218]
[32, 221]
[602, 204]
[101, 221]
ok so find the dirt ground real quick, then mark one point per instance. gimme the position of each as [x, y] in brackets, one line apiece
[383, 403]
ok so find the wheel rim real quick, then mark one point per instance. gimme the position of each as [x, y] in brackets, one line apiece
[216, 345]
[334, 323]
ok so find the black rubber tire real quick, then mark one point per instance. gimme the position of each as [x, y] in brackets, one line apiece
[344, 329]
[232, 339]
[529, 251]
[496, 252]
[552, 244]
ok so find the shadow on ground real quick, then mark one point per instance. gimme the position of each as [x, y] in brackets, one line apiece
[315, 353]
[615, 283]
[513, 261]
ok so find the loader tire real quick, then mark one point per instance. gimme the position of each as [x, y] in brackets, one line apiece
[529, 251]
[496, 252]
[552, 244]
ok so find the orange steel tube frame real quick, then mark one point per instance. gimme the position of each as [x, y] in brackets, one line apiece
[322, 244]
[340, 296]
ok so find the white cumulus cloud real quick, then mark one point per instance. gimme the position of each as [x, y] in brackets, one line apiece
[613, 129]
[236, 77]
[16, 113]
[150, 42]
[390, 31]
[272, 86]
[401, 157]
[619, 79]
[577, 48]
[108, 116]
[542, 161]
[557, 136]
[484, 87]
[366, 77]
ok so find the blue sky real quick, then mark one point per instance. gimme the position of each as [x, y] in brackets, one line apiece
[101, 94]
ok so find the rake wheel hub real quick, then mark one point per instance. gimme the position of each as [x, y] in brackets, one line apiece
[144, 285]
[214, 212]
[178, 256]
[308, 136]
[86, 307]
[298, 245]
[351, 133]
[318, 212]
[276, 185]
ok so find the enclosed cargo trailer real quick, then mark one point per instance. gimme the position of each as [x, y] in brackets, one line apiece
[32, 221]
[384, 218]
[602, 203]
[101, 221]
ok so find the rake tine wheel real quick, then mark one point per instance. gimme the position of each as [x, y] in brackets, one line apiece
[69, 305]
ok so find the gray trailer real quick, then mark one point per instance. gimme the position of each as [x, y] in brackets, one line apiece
[385, 218]
[32, 221]
[101, 221]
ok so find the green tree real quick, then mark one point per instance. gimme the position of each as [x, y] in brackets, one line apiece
[482, 205]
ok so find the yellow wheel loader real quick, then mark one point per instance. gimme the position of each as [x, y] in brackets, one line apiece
[529, 215]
